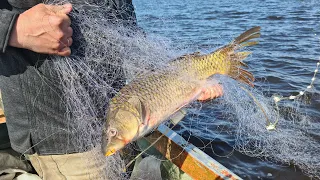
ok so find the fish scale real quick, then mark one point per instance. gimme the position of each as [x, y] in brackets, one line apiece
[149, 100]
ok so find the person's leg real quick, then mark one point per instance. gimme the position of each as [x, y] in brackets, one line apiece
[11, 163]
[4, 137]
[75, 166]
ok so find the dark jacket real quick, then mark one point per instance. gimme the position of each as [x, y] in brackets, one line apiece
[32, 99]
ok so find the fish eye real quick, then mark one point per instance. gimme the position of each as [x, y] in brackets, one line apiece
[112, 132]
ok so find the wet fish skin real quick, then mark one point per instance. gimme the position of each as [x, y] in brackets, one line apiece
[147, 101]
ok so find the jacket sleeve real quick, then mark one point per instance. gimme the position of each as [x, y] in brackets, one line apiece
[7, 21]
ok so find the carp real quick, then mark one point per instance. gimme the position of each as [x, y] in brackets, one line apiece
[149, 100]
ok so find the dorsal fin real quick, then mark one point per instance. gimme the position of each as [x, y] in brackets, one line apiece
[249, 34]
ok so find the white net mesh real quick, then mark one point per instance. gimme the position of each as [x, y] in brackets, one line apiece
[107, 52]
[293, 141]
[110, 52]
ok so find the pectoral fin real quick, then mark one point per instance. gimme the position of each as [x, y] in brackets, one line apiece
[143, 111]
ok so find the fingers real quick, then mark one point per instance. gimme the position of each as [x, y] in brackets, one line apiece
[62, 9]
[67, 8]
[64, 36]
[69, 32]
[64, 47]
[61, 32]
[218, 91]
[205, 95]
[59, 26]
[64, 52]
[211, 92]
[66, 42]
[59, 21]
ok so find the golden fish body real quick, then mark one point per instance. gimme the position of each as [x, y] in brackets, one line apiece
[148, 101]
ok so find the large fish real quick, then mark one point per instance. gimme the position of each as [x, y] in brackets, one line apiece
[149, 100]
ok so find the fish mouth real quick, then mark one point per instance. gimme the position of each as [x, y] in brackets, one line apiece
[111, 149]
[110, 152]
[106, 149]
[111, 146]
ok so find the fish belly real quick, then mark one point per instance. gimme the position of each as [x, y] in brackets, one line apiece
[166, 94]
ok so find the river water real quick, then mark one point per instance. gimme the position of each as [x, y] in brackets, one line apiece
[283, 62]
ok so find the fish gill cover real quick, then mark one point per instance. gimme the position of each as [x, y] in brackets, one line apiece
[110, 52]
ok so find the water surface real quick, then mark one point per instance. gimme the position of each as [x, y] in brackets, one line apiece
[282, 63]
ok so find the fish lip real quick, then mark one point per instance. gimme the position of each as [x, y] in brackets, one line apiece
[107, 150]
[110, 152]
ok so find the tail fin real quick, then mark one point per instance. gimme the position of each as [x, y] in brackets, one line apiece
[235, 71]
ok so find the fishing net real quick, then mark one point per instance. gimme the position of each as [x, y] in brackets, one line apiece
[108, 53]
[294, 141]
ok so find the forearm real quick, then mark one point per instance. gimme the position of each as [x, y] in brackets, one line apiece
[7, 21]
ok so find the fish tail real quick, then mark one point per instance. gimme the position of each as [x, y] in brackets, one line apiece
[233, 64]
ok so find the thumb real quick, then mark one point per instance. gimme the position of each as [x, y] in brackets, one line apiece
[64, 9]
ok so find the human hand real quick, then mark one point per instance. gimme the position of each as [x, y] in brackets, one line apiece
[211, 92]
[44, 29]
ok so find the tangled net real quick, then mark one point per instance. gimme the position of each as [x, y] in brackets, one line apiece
[295, 141]
[109, 53]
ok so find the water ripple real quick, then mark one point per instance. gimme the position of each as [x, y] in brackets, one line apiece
[283, 62]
